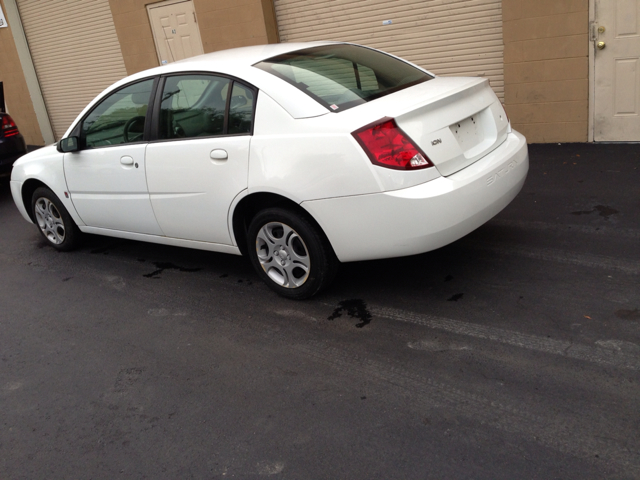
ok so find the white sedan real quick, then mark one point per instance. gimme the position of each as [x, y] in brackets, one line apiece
[300, 156]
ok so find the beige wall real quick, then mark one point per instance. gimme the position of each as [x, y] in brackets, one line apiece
[235, 23]
[223, 24]
[16, 93]
[134, 34]
[545, 53]
[546, 68]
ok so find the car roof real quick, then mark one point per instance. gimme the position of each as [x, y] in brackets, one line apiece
[227, 61]
[245, 56]
[237, 62]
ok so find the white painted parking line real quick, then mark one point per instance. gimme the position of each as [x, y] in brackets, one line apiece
[564, 228]
[598, 354]
[560, 256]
[563, 432]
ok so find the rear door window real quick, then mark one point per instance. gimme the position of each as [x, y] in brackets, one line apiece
[241, 106]
[203, 106]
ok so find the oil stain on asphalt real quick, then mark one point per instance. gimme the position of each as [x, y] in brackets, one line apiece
[355, 308]
[603, 211]
[628, 314]
[162, 266]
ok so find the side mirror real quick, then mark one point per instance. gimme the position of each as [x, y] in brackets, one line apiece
[69, 144]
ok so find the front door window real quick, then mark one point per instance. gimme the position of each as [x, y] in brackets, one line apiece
[119, 118]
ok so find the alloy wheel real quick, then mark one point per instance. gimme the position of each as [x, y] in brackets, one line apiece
[50, 221]
[283, 255]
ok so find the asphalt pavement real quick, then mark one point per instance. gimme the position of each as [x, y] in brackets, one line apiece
[513, 353]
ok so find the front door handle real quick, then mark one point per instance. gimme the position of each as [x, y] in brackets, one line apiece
[126, 160]
[219, 154]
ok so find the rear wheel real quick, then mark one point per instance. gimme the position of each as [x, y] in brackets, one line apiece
[54, 221]
[290, 254]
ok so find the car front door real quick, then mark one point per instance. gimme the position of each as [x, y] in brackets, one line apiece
[199, 163]
[106, 177]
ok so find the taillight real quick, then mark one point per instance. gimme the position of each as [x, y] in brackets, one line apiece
[8, 126]
[388, 146]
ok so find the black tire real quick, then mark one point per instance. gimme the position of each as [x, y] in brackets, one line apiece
[53, 220]
[290, 254]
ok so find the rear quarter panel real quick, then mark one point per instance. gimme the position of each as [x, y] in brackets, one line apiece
[305, 159]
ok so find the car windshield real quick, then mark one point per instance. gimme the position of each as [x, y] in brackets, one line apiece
[343, 76]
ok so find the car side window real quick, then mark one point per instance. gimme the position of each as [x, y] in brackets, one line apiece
[240, 109]
[193, 106]
[119, 118]
[196, 106]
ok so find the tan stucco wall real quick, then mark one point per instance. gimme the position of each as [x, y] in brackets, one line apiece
[546, 68]
[16, 93]
[222, 23]
[134, 34]
[235, 23]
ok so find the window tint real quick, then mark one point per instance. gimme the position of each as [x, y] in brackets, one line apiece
[189, 91]
[119, 118]
[193, 106]
[343, 76]
[240, 109]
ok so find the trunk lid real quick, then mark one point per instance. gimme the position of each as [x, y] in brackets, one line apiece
[454, 120]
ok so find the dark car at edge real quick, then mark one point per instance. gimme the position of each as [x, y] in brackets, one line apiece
[12, 144]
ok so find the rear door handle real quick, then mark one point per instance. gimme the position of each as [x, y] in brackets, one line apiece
[126, 160]
[219, 154]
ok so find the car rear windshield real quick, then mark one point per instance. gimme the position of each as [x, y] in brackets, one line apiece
[343, 76]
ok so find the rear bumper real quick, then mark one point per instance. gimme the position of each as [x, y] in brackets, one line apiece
[11, 149]
[427, 216]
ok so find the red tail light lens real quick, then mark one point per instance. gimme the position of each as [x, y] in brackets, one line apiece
[388, 146]
[8, 126]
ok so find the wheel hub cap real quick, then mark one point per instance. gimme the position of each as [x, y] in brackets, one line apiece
[283, 255]
[50, 221]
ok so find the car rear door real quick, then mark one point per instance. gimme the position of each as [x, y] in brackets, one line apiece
[199, 162]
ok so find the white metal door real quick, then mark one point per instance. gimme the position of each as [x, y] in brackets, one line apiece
[617, 71]
[447, 37]
[108, 187]
[191, 192]
[106, 178]
[202, 163]
[175, 31]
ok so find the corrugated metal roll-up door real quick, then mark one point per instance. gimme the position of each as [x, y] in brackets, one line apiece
[447, 37]
[75, 52]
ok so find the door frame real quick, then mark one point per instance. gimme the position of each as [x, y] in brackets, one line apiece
[592, 68]
[166, 3]
[593, 37]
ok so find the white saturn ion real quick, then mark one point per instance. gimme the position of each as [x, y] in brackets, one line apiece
[300, 156]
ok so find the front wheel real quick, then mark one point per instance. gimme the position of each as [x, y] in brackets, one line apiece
[290, 254]
[54, 221]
